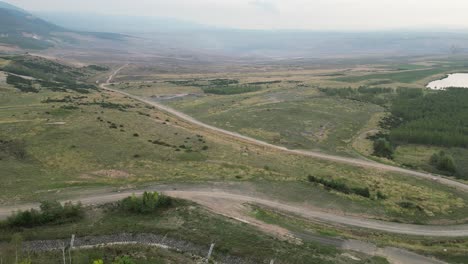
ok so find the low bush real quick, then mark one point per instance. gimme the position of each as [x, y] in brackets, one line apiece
[383, 148]
[443, 162]
[340, 187]
[49, 212]
[149, 202]
[230, 90]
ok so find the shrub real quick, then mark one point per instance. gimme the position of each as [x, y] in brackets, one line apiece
[383, 148]
[381, 196]
[50, 212]
[340, 187]
[443, 162]
[97, 68]
[149, 202]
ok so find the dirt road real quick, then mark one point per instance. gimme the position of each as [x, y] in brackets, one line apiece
[352, 161]
[226, 203]
[211, 200]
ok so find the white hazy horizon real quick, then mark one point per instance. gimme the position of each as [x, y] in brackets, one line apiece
[278, 14]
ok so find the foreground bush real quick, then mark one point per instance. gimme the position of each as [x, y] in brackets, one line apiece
[49, 212]
[149, 202]
[443, 162]
[383, 148]
[340, 187]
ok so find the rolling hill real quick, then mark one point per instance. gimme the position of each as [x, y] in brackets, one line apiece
[20, 28]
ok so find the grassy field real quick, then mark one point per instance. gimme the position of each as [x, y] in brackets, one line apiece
[418, 157]
[285, 114]
[187, 223]
[58, 144]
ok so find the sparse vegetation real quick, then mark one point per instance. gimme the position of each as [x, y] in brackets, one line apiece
[21, 84]
[230, 90]
[341, 187]
[50, 213]
[13, 148]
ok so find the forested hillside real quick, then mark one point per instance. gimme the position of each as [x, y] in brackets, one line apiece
[437, 118]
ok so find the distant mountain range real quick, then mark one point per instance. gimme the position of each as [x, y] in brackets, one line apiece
[118, 23]
[21, 29]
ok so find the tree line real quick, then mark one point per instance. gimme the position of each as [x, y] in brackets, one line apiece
[436, 118]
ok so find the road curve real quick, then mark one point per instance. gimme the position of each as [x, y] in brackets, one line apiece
[334, 158]
[207, 198]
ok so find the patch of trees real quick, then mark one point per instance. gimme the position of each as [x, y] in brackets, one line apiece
[43, 69]
[69, 107]
[230, 90]
[148, 203]
[202, 83]
[383, 148]
[437, 118]
[49, 213]
[340, 187]
[27, 86]
[82, 88]
[161, 143]
[185, 83]
[443, 162]
[48, 74]
[266, 82]
[223, 82]
[21, 84]
[375, 95]
[65, 99]
[97, 68]
[110, 105]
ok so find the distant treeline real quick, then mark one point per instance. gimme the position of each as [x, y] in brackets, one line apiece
[21, 84]
[375, 95]
[48, 74]
[49, 213]
[231, 89]
[436, 118]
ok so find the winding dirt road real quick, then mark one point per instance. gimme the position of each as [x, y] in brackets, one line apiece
[225, 203]
[334, 158]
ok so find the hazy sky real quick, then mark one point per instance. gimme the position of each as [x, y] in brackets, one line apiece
[279, 14]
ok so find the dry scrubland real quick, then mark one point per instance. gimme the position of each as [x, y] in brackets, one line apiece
[57, 144]
[76, 141]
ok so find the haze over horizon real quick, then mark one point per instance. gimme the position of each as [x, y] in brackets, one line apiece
[345, 15]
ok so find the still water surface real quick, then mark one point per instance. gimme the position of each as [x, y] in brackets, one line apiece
[459, 80]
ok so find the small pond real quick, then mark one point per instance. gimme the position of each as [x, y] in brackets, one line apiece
[459, 80]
